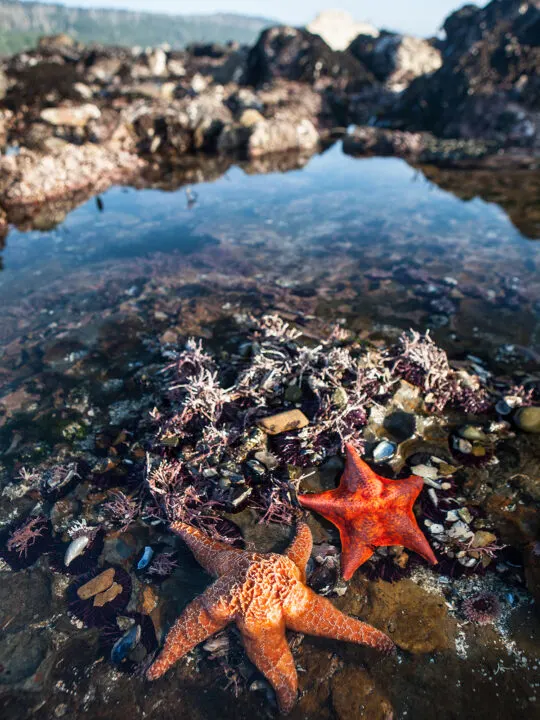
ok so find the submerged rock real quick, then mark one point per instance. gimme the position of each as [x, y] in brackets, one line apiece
[528, 419]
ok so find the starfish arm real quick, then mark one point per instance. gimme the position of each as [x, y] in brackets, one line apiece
[300, 548]
[320, 617]
[270, 652]
[353, 554]
[406, 532]
[358, 475]
[208, 552]
[193, 626]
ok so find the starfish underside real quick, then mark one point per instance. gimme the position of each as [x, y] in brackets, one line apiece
[263, 594]
[370, 511]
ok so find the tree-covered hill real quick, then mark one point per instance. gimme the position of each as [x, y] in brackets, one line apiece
[21, 23]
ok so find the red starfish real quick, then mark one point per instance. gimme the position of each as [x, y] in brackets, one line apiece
[370, 511]
[263, 594]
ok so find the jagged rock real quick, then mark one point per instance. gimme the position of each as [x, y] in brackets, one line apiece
[293, 54]
[396, 59]
[75, 116]
[337, 28]
[488, 86]
[30, 178]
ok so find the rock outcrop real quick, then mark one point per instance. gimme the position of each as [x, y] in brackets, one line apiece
[396, 60]
[294, 54]
[488, 86]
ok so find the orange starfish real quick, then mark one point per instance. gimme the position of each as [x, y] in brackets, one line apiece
[263, 593]
[370, 511]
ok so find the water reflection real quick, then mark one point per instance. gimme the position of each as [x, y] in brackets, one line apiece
[371, 240]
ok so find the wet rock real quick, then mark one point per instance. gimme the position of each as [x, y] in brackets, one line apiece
[25, 598]
[354, 694]
[532, 570]
[396, 59]
[75, 116]
[295, 54]
[31, 178]
[416, 620]
[284, 422]
[338, 28]
[528, 419]
[487, 86]
[364, 140]
[21, 654]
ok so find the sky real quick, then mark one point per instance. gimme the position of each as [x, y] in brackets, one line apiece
[416, 17]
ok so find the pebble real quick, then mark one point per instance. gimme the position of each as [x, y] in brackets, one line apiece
[436, 529]
[385, 450]
[528, 419]
[97, 585]
[472, 432]
[482, 538]
[460, 531]
[284, 422]
[465, 515]
[425, 471]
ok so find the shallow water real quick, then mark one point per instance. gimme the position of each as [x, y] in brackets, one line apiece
[343, 230]
[90, 303]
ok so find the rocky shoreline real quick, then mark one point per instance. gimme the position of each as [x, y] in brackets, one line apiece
[76, 119]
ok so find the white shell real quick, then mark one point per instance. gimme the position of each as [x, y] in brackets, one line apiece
[76, 548]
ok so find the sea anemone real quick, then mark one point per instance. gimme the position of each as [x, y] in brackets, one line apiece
[482, 608]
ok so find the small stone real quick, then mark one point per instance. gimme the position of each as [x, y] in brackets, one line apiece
[460, 531]
[97, 585]
[462, 445]
[105, 597]
[284, 422]
[340, 397]
[436, 529]
[385, 450]
[483, 538]
[452, 516]
[472, 432]
[293, 393]
[465, 515]
[250, 117]
[528, 419]
[76, 116]
[425, 471]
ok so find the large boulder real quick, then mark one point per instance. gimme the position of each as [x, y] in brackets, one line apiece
[396, 60]
[489, 85]
[295, 54]
[337, 28]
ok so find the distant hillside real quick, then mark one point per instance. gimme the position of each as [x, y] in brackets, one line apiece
[21, 23]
